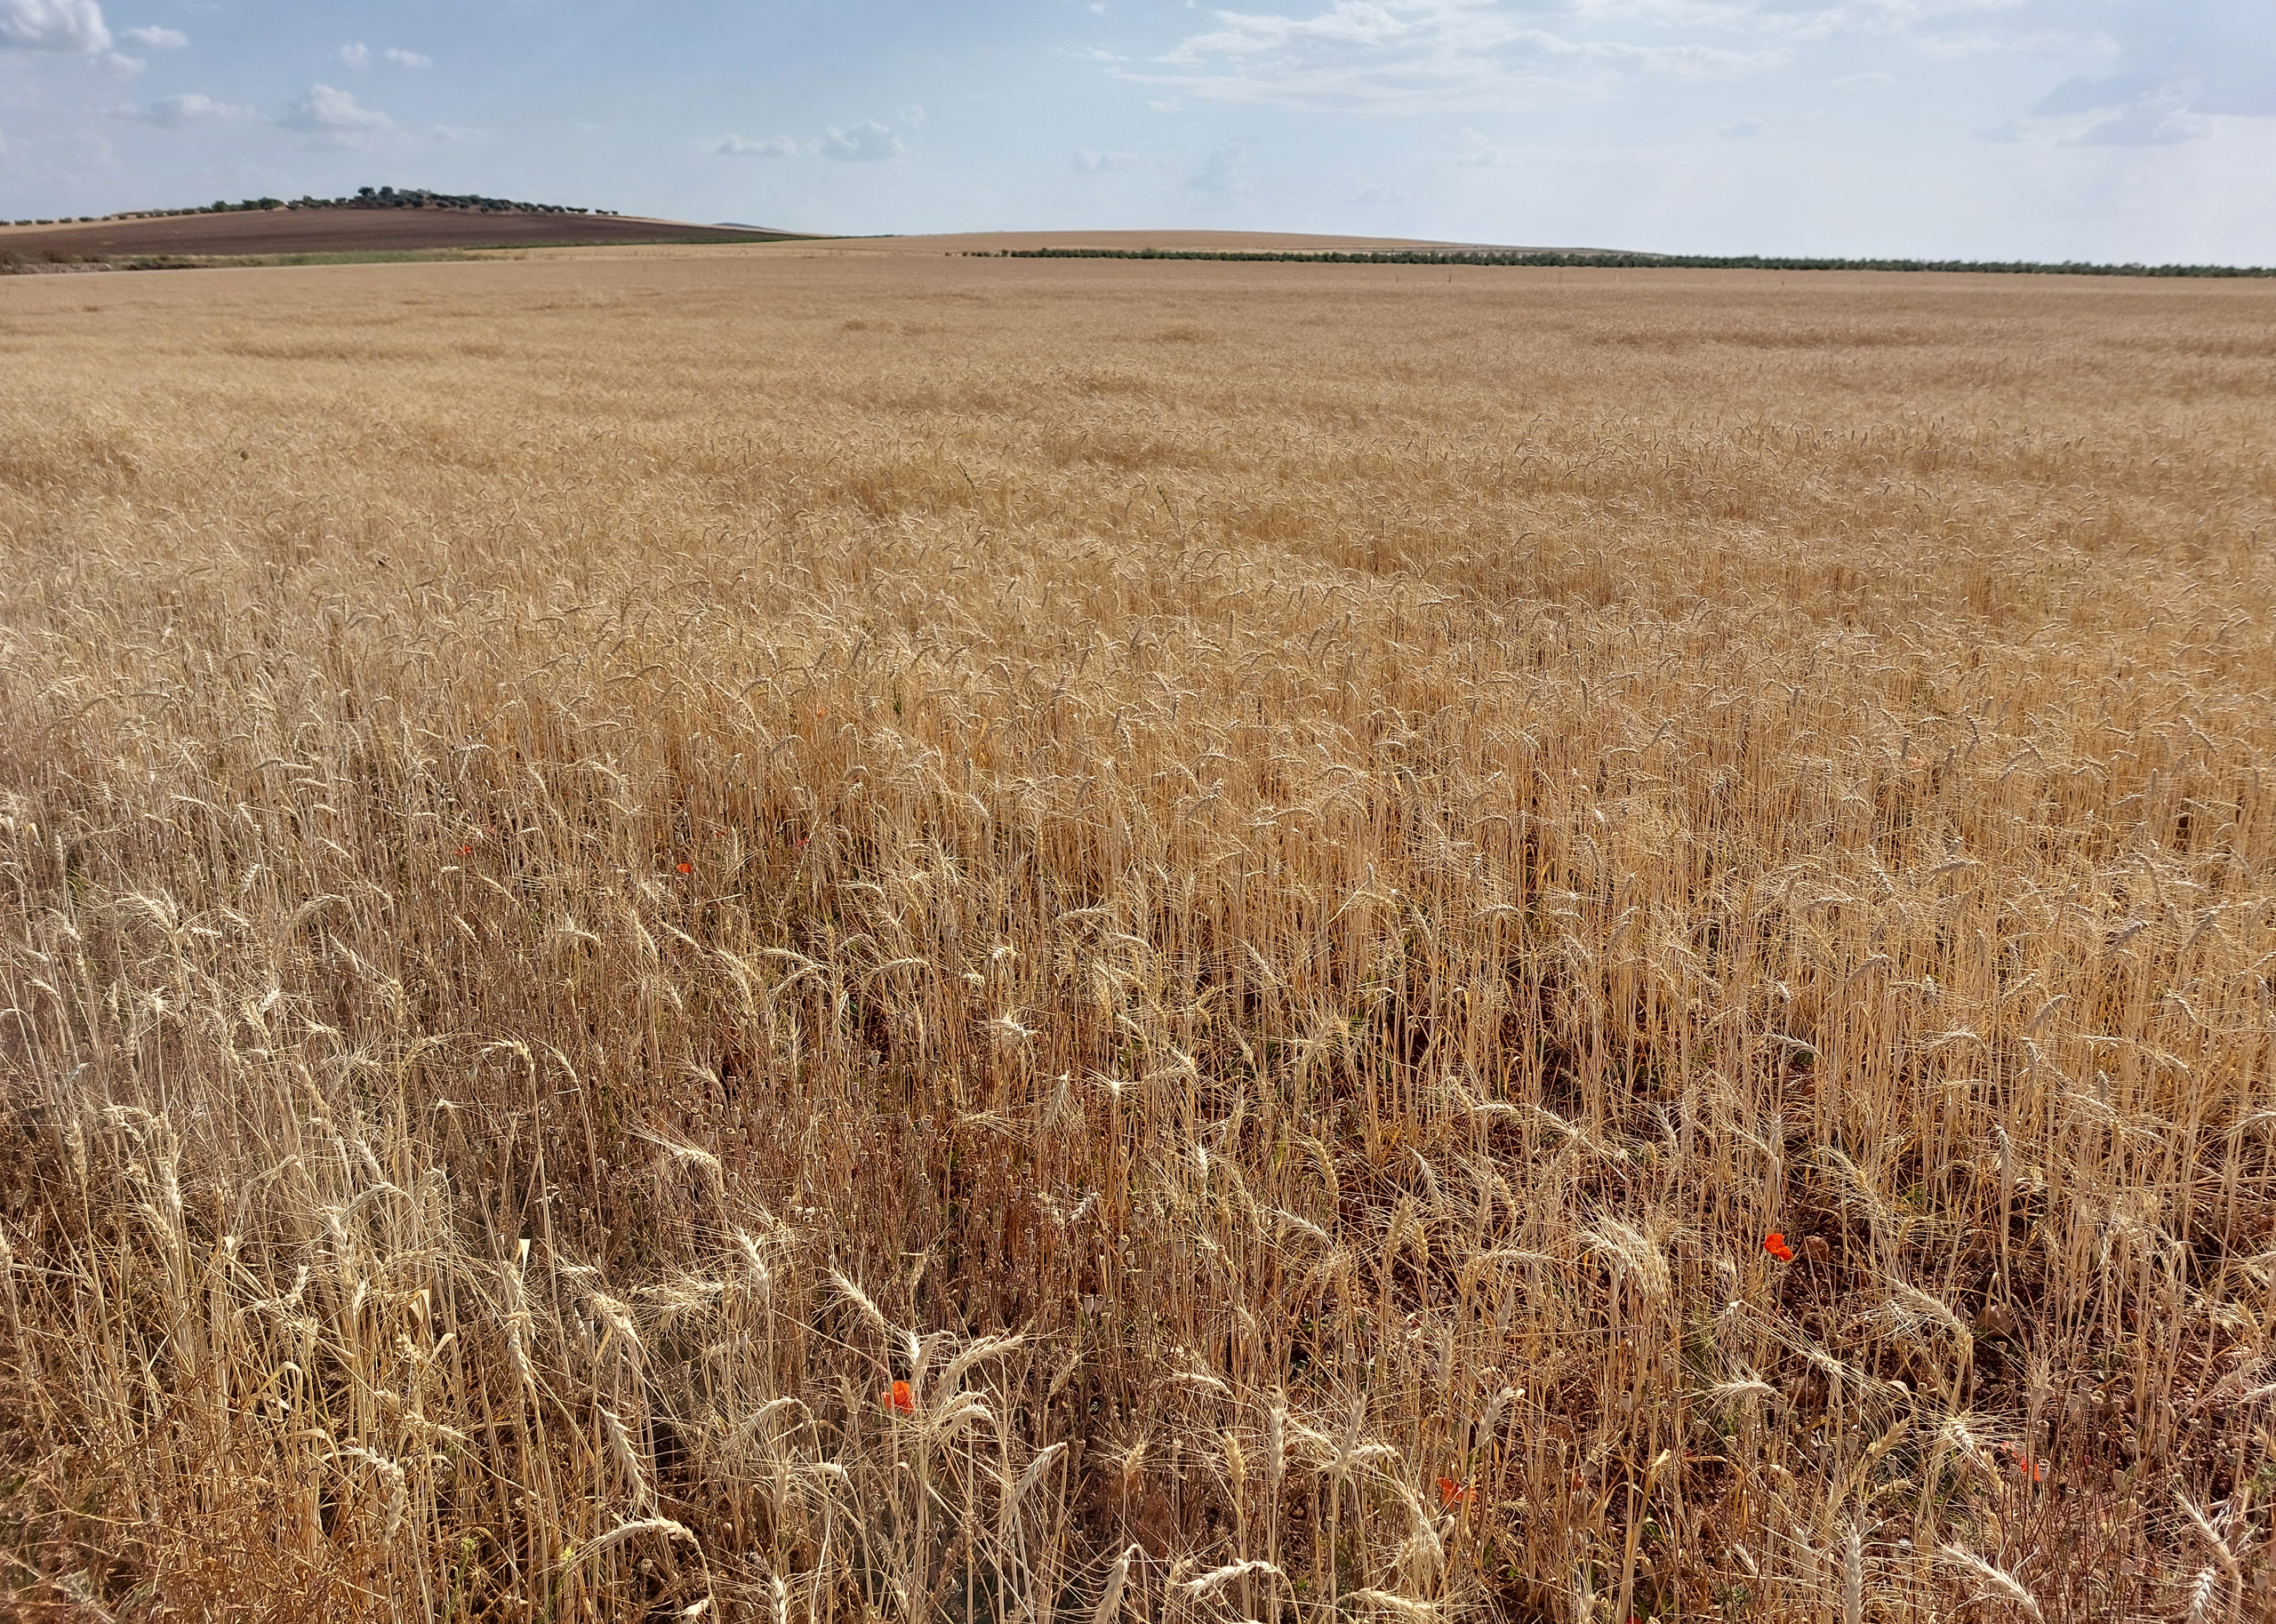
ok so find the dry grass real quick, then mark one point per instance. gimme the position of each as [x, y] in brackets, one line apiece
[1261, 882]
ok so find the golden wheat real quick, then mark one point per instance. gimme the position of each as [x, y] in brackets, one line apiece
[763, 937]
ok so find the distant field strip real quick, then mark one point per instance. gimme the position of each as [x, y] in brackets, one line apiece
[1623, 261]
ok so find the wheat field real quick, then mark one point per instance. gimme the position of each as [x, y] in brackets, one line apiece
[797, 935]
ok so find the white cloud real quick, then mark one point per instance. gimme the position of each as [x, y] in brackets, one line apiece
[357, 54]
[1822, 18]
[2142, 123]
[1741, 129]
[2167, 72]
[1482, 153]
[743, 146]
[1426, 56]
[1347, 22]
[1165, 107]
[54, 24]
[1378, 196]
[1103, 162]
[335, 115]
[867, 142]
[172, 112]
[156, 39]
[407, 59]
[1435, 56]
[2174, 67]
[1220, 173]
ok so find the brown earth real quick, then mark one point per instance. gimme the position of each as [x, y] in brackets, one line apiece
[360, 230]
[351, 231]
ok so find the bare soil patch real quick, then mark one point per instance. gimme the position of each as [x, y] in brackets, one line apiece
[351, 231]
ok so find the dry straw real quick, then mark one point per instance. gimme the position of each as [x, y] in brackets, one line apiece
[774, 939]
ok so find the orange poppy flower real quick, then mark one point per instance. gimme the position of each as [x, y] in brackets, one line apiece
[902, 1399]
[1452, 1493]
[686, 867]
[1774, 1243]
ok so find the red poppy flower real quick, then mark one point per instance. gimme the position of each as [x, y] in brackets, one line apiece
[1774, 1243]
[2024, 1465]
[902, 1399]
[466, 851]
[686, 867]
[1452, 1493]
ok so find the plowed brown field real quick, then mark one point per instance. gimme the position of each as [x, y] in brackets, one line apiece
[290, 231]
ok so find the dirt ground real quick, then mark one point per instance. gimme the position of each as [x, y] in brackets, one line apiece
[347, 231]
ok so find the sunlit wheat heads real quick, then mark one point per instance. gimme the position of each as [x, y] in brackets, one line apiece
[735, 937]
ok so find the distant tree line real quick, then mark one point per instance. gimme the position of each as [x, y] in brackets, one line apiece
[365, 198]
[1618, 261]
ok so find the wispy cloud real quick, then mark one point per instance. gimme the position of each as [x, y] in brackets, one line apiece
[1103, 162]
[1922, 20]
[1424, 56]
[172, 112]
[867, 142]
[743, 146]
[2149, 122]
[156, 39]
[2171, 67]
[54, 24]
[1220, 173]
[335, 117]
[361, 55]
[2169, 71]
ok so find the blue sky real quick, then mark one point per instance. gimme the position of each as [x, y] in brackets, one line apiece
[2049, 129]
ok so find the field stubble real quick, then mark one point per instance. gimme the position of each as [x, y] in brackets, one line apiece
[698, 936]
